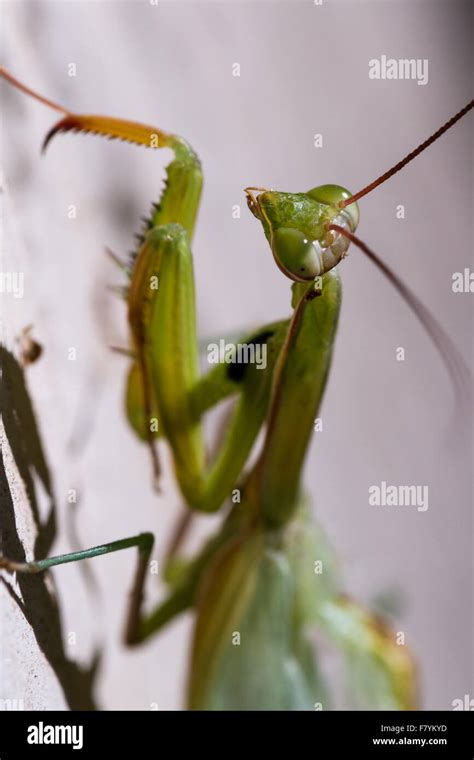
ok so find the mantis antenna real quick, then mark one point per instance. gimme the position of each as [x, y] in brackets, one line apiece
[20, 86]
[414, 153]
[449, 353]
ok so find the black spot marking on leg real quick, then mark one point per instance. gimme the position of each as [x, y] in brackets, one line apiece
[235, 371]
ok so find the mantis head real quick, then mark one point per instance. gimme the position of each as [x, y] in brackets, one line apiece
[297, 228]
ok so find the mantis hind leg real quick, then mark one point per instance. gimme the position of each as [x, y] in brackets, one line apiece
[144, 543]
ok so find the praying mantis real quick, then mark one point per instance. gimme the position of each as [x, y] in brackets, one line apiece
[267, 577]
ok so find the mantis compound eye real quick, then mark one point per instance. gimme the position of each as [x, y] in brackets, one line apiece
[332, 195]
[301, 259]
[295, 255]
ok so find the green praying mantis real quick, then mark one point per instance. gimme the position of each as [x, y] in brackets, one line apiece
[267, 578]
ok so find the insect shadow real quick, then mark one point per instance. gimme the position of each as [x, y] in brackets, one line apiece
[36, 598]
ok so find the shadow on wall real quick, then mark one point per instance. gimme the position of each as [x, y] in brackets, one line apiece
[37, 598]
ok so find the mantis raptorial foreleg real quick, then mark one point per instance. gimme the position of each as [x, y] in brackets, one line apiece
[298, 388]
[164, 379]
[166, 321]
[161, 309]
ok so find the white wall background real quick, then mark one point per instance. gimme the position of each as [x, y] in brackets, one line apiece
[304, 70]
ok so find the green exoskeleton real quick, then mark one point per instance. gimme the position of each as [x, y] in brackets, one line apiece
[255, 580]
